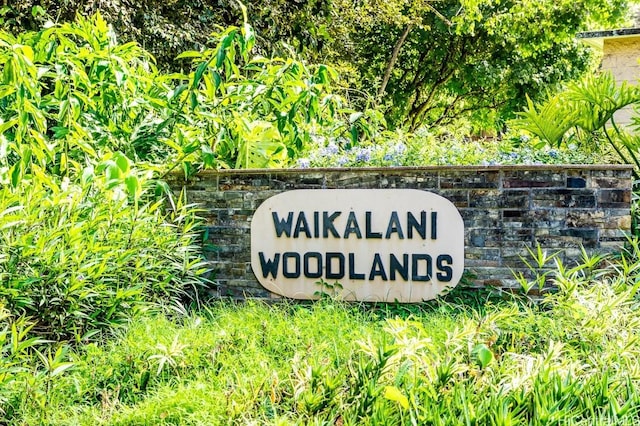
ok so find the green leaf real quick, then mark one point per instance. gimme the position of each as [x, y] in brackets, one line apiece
[354, 135]
[61, 368]
[174, 94]
[197, 76]
[482, 354]
[87, 175]
[122, 162]
[216, 79]
[249, 39]
[220, 56]
[224, 45]
[133, 185]
[354, 117]
[189, 54]
[392, 393]
[16, 174]
[193, 99]
[114, 173]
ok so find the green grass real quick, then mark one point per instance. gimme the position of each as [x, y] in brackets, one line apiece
[572, 359]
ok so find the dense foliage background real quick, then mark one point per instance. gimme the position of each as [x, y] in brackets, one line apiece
[101, 277]
[418, 61]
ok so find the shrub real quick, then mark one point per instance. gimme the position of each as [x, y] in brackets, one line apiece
[430, 148]
[77, 258]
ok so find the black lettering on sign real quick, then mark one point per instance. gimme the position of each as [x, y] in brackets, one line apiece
[394, 226]
[307, 268]
[400, 268]
[377, 269]
[302, 226]
[327, 224]
[352, 226]
[281, 225]
[369, 232]
[446, 272]
[329, 266]
[285, 265]
[269, 266]
[316, 224]
[412, 224]
[434, 225]
[353, 275]
[415, 267]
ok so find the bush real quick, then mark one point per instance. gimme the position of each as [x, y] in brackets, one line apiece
[432, 148]
[79, 258]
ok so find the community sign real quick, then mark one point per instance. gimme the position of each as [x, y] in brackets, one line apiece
[383, 245]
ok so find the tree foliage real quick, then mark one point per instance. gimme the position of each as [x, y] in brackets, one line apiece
[476, 58]
[423, 62]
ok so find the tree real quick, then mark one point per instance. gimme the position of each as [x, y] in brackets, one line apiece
[475, 58]
[422, 62]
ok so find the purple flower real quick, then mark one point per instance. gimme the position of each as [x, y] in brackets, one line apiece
[363, 155]
[400, 148]
[304, 163]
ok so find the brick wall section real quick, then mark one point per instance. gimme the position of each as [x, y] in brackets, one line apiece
[505, 209]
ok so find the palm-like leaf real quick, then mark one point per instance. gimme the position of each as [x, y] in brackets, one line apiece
[550, 121]
[597, 98]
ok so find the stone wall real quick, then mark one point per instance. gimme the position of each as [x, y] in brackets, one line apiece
[505, 209]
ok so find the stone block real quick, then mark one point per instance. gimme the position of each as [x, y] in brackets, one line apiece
[589, 236]
[614, 235]
[611, 182]
[585, 218]
[480, 218]
[485, 198]
[614, 198]
[482, 253]
[617, 222]
[563, 198]
[515, 199]
[459, 198]
[479, 179]
[483, 237]
[471, 263]
[396, 181]
[426, 181]
[539, 218]
[491, 273]
[576, 182]
[539, 178]
[520, 235]
[613, 172]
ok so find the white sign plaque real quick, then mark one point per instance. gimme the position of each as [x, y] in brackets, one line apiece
[382, 245]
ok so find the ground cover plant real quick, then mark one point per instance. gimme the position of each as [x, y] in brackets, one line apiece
[571, 359]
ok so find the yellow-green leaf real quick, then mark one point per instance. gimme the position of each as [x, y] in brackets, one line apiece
[392, 393]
